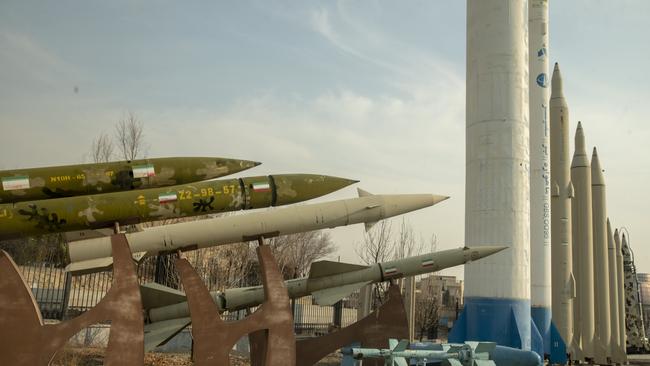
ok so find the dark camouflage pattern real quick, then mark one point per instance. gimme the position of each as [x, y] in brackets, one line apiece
[20, 185]
[636, 340]
[136, 206]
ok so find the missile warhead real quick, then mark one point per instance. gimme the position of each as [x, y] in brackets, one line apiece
[597, 178]
[104, 210]
[20, 185]
[580, 158]
[328, 282]
[88, 254]
[556, 83]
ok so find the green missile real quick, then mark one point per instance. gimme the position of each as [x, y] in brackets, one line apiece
[131, 207]
[33, 184]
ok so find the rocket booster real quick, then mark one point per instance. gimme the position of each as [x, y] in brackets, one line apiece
[20, 185]
[583, 247]
[367, 209]
[202, 198]
[603, 349]
[617, 355]
[328, 282]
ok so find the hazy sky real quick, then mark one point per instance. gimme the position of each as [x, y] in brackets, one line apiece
[370, 90]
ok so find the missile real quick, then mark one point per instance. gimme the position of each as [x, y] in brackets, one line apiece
[622, 331]
[91, 212]
[562, 276]
[367, 208]
[583, 243]
[501, 355]
[617, 357]
[20, 185]
[603, 337]
[328, 282]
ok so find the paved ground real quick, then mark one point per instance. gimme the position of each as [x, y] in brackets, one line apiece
[639, 360]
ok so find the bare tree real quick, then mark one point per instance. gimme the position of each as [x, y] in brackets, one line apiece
[377, 246]
[102, 149]
[426, 313]
[296, 252]
[129, 136]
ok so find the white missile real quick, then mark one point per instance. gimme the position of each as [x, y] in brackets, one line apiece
[617, 356]
[583, 244]
[328, 282]
[563, 281]
[86, 255]
[602, 340]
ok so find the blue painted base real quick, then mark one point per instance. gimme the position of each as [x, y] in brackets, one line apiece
[558, 354]
[504, 321]
[542, 319]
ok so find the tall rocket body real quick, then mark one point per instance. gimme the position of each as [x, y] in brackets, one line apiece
[563, 289]
[613, 296]
[583, 244]
[540, 170]
[602, 339]
[622, 340]
[497, 194]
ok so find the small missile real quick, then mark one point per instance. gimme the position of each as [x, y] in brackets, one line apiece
[20, 185]
[202, 198]
[328, 282]
[367, 209]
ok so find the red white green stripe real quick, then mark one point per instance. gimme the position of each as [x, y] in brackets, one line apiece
[167, 197]
[390, 271]
[16, 182]
[427, 263]
[143, 171]
[261, 187]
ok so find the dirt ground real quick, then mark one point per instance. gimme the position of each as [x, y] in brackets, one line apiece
[95, 356]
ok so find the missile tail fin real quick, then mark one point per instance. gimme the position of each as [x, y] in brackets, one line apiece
[401, 346]
[157, 334]
[155, 295]
[329, 268]
[331, 296]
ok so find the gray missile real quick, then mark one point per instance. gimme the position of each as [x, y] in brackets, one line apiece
[328, 282]
[602, 339]
[581, 211]
[562, 275]
[613, 296]
[622, 334]
[86, 255]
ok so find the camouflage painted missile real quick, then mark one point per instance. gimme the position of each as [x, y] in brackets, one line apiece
[217, 196]
[328, 282]
[95, 254]
[20, 185]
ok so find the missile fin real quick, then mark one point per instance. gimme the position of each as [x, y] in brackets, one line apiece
[70, 236]
[331, 296]
[571, 286]
[401, 346]
[369, 225]
[158, 333]
[155, 295]
[89, 266]
[392, 343]
[329, 268]
[363, 193]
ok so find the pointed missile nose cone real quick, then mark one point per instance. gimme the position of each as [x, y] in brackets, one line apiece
[556, 82]
[580, 158]
[438, 199]
[484, 251]
[293, 188]
[597, 177]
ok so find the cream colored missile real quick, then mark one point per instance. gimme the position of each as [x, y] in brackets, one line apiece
[563, 281]
[617, 357]
[602, 339]
[91, 254]
[583, 243]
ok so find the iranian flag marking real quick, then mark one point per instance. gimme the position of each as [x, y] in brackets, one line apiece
[391, 271]
[167, 197]
[17, 182]
[143, 171]
[427, 263]
[261, 187]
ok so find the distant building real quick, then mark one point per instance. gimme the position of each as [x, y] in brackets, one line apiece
[445, 293]
[644, 288]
